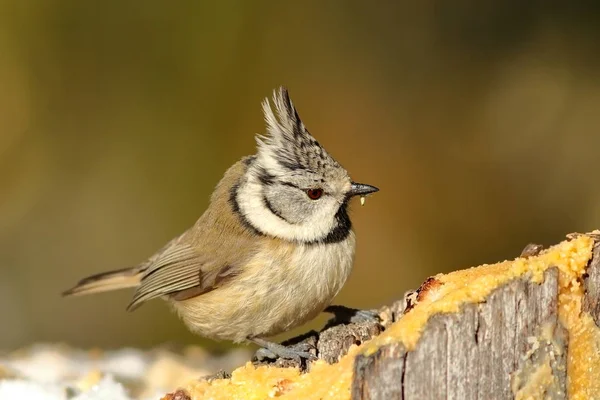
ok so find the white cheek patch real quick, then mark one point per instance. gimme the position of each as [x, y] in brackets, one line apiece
[252, 207]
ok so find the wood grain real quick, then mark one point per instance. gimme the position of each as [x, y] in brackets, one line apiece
[591, 298]
[486, 351]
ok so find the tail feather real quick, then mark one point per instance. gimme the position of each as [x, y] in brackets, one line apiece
[106, 281]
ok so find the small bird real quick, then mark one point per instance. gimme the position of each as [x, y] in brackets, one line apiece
[271, 251]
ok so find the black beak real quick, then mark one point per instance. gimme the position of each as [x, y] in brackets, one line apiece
[360, 189]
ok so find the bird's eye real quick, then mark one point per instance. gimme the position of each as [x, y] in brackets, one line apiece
[314, 194]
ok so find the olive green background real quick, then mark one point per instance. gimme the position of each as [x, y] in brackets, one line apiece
[479, 121]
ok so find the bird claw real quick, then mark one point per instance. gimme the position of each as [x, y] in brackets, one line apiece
[296, 352]
[361, 316]
[263, 354]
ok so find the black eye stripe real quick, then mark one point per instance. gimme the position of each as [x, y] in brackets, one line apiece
[265, 178]
[290, 184]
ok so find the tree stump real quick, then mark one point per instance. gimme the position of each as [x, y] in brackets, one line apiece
[476, 353]
[513, 345]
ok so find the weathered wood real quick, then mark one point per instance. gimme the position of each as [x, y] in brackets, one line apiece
[486, 351]
[381, 375]
[591, 298]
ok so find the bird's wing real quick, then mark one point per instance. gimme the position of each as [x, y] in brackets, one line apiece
[176, 268]
[181, 272]
[204, 257]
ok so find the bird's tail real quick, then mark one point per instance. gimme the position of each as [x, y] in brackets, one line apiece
[106, 281]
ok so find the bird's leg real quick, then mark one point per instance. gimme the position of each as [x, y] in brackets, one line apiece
[353, 315]
[271, 350]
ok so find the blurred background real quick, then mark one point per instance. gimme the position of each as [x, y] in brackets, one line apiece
[477, 119]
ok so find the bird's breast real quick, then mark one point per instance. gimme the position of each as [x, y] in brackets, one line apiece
[298, 281]
[282, 286]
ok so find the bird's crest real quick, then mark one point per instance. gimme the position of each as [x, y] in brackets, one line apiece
[289, 146]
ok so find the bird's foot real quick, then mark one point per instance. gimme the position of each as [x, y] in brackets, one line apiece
[352, 315]
[273, 351]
